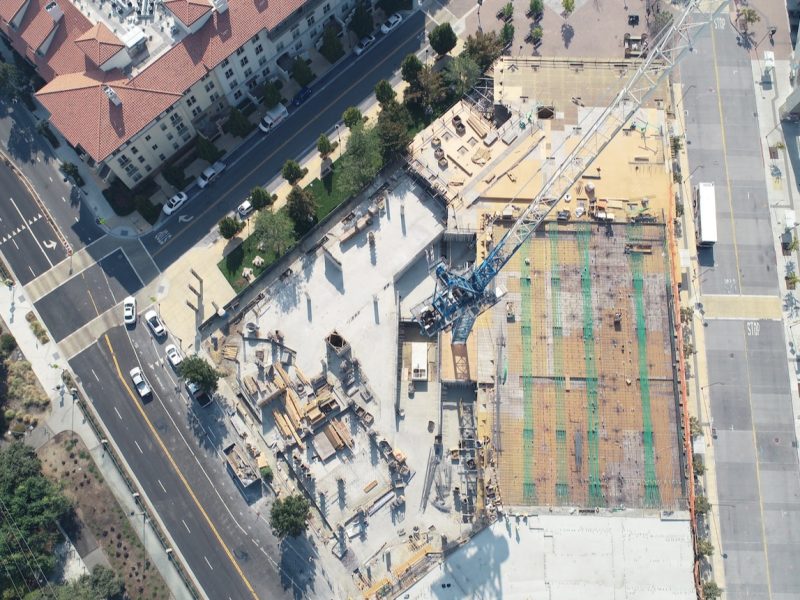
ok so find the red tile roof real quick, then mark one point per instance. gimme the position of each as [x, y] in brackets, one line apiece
[188, 11]
[99, 44]
[9, 8]
[158, 86]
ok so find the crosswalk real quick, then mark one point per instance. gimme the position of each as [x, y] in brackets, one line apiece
[15, 232]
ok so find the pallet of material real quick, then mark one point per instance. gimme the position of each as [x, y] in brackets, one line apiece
[292, 408]
[341, 430]
[280, 421]
[333, 436]
[284, 376]
[276, 379]
[230, 351]
[251, 386]
[314, 414]
[302, 376]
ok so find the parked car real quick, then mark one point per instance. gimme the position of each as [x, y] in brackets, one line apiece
[244, 209]
[196, 393]
[392, 22]
[210, 174]
[129, 311]
[155, 323]
[274, 116]
[363, 44]
[301, 96]
[174, 203]
[173, 356]
[142, 387]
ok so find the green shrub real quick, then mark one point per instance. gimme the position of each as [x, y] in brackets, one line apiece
[301, 72]
[331, 47]
[7, 344]
[175, 176]
[149, 211]
[237, 124]
[206, 150]
[266, 473]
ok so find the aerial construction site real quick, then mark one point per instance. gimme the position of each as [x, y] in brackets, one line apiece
[559, 414]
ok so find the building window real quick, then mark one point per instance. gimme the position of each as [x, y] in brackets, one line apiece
[186, 136]
[175, 145]
[252, 84]
[279, 47]
[259, 49]
[209, 86]
[137, 176]
[265, 72]
[237, 95]
[196, 111]
[248, 72]
[244, 61]
[170, 136]
[134, 151]
[262, 60]
[162, 158]
[326, 9]
[155, 146]
[191, 101]
[225, 63]
[228, 73]
[298, 45]
[234, 83]
[123, 160]
[213, 97]
[163, 127]
[310, 20]
[148, 168]
[295, 33]
[254, 39]
[147, 138]
[239, 50]
[141, 160]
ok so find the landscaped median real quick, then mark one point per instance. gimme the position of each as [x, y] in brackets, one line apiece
[370, 142]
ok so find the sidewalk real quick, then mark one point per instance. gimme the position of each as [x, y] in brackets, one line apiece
[48, 364]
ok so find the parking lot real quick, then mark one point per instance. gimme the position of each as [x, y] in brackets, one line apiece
[88, 294]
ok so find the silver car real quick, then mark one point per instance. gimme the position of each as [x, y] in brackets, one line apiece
[142, 387]
[155, 323]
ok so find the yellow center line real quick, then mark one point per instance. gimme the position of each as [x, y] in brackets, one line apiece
[177, 470]
[725, 160]
[279, 148]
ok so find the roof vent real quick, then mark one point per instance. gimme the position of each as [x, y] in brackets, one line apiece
[54, 10]
[220, 5]
[112, 95]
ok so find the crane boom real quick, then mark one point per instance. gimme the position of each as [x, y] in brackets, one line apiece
[461, 296]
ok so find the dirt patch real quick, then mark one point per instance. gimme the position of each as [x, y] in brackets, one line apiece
[23, 402]
[100, 520]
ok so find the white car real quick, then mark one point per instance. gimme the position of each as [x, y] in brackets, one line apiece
[244, 209]
[173, 356]
[129, 311]
[363, 44]
[174, 203]
[142, 387]
[392, 22]
[155, 323]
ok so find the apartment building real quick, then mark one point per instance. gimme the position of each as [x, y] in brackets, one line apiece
[131, 83]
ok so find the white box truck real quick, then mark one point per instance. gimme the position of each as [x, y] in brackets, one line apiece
[705, 214]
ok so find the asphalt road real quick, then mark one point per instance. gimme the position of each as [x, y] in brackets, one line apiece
[27, 240]
[263, 160]
[758, 480]
[88, 294]
[239, 552]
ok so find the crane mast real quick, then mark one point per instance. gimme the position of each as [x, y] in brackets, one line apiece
[460, 297]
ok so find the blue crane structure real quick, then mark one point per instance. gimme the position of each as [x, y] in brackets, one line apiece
[462, 295]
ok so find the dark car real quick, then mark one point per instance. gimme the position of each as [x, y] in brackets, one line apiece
[301, 96]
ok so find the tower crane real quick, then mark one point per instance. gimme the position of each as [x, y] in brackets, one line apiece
[462, 295]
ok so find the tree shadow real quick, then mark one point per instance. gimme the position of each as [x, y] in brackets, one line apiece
[20, 143]
[298, 566]
[567, 33]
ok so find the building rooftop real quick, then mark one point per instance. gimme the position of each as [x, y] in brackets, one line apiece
[172, 62]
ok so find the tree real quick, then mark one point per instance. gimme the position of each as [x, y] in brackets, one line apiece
[384, 92]
[197, 370]
[410, 69]
[442, 38]
[290, 515]
[331, 47]
[483, 48]
[392, 6]
[229, 227]
[429, 91]
[662, 20]
[238, 124]
[507, 34]
[362, 161]
[461, 73]
[274, 231]
[697, 465]
[536, 9]
[704, 548]
[293, 172]
[266, 473]
[361, 23]
[302, 207]
[352, 117]
[206, 149]
[711, 591]
[701, 505]
[748, 16]
[507, 12]
[12, 81]
[393, 126]
[260, 198]
[568, 6]
[105, 583]
[272, 94]
[301, 72]
[536, 34]
[34, 505]
[694, 426]
[324, 146]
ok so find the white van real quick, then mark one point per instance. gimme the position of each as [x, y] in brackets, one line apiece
[273, 117]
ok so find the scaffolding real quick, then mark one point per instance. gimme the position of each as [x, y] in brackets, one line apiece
[528, 449]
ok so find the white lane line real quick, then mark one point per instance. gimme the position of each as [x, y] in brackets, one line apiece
[119, 415]
[35, 239]
[138, 446]
[162, 486]
[30, 269]
[15, 243]
[95, 375]
[185, 525]
[208, 563]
